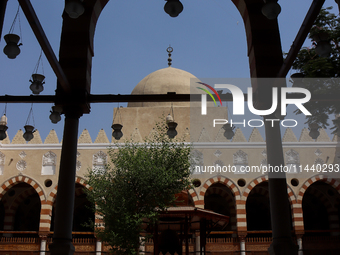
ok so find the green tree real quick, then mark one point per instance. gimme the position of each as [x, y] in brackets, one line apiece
[323, 69]
[140, 182]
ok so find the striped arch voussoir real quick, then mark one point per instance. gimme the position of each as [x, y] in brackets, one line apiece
[331, 181]
[53, 194]
[19, 179]
[298, 223]
[82, 182]
[252, 185]
[222, 180]
[193, 194]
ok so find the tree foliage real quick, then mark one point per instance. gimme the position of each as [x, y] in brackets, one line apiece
[323, 69]
[140, 182]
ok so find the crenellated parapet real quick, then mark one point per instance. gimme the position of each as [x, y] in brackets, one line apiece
[204, 136]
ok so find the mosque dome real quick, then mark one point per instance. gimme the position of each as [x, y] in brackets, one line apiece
[163, 81]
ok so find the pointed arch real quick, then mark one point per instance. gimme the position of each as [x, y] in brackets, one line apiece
[223, 180]
[6, 185]
[236, 210]
[227, 198]
[252, 184]
[296, 207]
[10, 209]
[331, 210]
[331, 181]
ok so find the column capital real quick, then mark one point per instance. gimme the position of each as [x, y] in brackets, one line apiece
[299, 234]
[72, 111]
[43, 235]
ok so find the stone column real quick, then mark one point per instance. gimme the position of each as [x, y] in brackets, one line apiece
[203, 236]
[62, 238]
[197, 243]
[43, 241]
[279, 206]
[333, 221]
[98, 247]
[299, 242]
[242, 240]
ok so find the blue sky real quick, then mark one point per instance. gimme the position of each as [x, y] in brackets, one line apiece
[130, 42]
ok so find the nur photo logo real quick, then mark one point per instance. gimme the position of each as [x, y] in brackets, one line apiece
[238, 103]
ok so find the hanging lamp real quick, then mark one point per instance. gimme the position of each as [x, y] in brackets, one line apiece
[173, 8]
[12, 49]
[169, 120]
[117, 125]
[29, 129]
[314, 130]
[74, 8]
[55, 115]
[37, 80]
[271, 9]
[228, 131]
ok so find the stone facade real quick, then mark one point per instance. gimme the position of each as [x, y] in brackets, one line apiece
[29, 175]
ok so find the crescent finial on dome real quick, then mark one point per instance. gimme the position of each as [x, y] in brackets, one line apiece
[169, 50]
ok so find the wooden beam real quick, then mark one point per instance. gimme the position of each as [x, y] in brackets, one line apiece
[109, 98]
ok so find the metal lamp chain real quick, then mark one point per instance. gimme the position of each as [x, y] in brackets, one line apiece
[119, 117]
[29, 116]
[5, 110]
[17, 16]
[38, 63]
